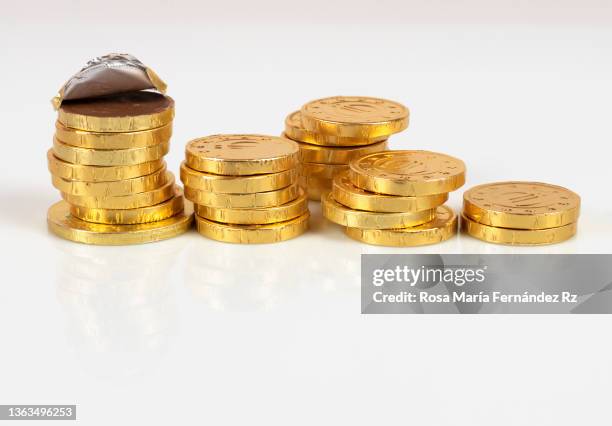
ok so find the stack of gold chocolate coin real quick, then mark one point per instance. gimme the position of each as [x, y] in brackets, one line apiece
[333, 131]
[245, 188]
[520, 213]
[395, 198]
[107, 162]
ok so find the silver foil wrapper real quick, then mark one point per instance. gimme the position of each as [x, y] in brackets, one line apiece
[108, 75]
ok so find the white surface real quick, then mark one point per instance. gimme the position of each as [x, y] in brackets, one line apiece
[191, 331]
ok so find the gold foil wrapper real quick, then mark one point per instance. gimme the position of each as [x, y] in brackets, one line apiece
[315, 187]
[237, 184]
[345, 216]
[509, 236]
[132, 201]
[256, 216]
[408, 173]
[111, 189]
[322, 171]
[154, 213]
[239, 155]
[121, 157]
[356, 198]
[108, 141]
[79, 172]
[255, 200]
[63, 224]
[357, 117]
[521, 205]
[337, 155]
[296, 131]
[253, 234]
[442, 228]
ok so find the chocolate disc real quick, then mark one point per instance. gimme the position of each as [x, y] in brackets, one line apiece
[126, 112]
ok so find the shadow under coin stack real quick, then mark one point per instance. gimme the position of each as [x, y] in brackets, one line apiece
[333, 131]
[395, 198]
[107, 162]
[245, 188]
[520, 213]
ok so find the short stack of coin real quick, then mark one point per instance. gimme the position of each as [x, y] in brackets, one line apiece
[107, 162]
[245, 188]
[333, 131]
[520, 213]
[395, 198]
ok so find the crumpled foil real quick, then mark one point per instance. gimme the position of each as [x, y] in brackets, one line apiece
[109, 75]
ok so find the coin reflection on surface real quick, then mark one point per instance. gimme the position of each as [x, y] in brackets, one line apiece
[119, 304]
[236, 278]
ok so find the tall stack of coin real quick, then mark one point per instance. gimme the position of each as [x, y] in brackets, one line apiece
[520, 213]
[107, 162]
[395, 198]
[333, 131]
[245, 188]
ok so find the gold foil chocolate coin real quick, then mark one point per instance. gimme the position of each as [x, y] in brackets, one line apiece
[71, 171]
[238, 155]
[355, 116]
[356, 198]
[521, 205]
[337, 155]
[125, 140]
[112, 189]
[294, 130]
[509, 236]
[111, 157]
[153, 213]
[131, 201]
[237, 184]
[408, 173]
[63, 224]
[253, 234]
[443, 227]
[253, 216]
[345, 216]
[128, 112]
[246, 201]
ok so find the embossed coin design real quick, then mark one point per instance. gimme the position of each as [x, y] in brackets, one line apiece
[407, 173]
[521, 205]
[355, 116]
[443, 227]
[238, 155]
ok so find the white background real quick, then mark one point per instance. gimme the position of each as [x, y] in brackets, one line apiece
[190, 331]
